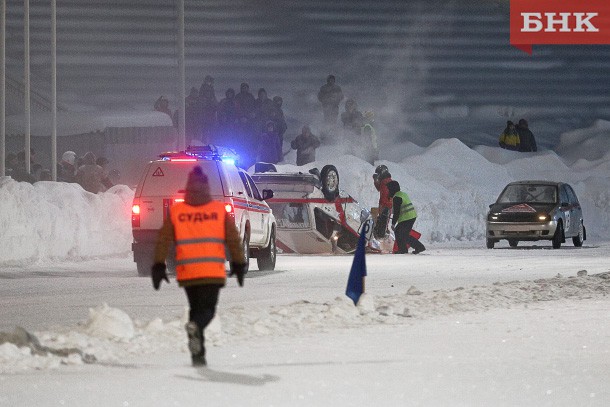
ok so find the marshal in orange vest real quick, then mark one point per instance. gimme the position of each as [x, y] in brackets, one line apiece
[200, 240]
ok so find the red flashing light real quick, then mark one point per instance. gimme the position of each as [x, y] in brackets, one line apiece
[183, 159]
[135, 216]
[229, 208]
[178, 200]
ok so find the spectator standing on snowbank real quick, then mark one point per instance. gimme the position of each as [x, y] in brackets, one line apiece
[269, 148]
[509, 139]
[208, 105]
[330, 95]
[66, 169]
[305, 144]
[352, 118]
[90, 175]
[527, 142]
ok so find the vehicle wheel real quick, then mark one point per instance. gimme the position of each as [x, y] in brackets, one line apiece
[246, 244]
[578, 239]
[266, 257]
[490, 243]
[329, 176]
[513, 242]
[558, 236]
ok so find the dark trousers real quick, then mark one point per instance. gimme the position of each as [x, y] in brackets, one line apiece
[404, 238]
[202, 302]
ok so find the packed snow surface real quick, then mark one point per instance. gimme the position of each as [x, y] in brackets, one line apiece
[456, 325]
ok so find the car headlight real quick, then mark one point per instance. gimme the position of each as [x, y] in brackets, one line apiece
[543, 217]
[492, 216]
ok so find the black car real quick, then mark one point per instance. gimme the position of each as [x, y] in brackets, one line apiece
[536, 210]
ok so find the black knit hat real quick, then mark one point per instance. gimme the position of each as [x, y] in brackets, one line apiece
[197, 180]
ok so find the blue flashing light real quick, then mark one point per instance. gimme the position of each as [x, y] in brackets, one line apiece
[228, 160]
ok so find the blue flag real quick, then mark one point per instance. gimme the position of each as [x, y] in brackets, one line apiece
[355, 282]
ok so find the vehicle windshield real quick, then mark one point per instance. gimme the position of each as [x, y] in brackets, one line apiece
[290, 215]
[518, 193]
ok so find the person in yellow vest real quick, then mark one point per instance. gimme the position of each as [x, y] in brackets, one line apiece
[403, 218]
[509, 139]
[201, 230]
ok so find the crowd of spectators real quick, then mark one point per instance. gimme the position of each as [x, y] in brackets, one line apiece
[89, 171]
[253, 126]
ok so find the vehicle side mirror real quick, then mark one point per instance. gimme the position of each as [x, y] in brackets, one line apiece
[564, 204]
[267, 194]
[490, 205]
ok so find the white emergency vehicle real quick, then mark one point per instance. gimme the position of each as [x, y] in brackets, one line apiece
[162, 184]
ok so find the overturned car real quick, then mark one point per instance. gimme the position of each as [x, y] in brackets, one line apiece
[312, 214]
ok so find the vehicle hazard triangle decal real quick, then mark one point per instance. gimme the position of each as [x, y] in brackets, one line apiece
[158, 172]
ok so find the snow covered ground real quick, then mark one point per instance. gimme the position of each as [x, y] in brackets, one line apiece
[458, 325]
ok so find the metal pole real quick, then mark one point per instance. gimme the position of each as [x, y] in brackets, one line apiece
[181, 90]
[54, 89]
[26, 80]
[3, 89]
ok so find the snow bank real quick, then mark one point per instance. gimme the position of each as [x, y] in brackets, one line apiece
[450, 184]
[117, 337]
[54, 220]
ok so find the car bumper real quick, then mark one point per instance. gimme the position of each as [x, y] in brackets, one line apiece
[521, 230]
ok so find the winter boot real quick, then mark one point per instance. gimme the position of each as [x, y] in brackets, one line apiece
[194, 338]
[198, 360]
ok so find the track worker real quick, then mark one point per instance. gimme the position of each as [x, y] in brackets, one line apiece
[381, 178]
[201, 230]
[403, 218]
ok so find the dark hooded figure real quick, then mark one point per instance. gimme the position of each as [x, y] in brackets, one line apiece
[192, 113]
[352, 118]
[527, 142]
[263, 108]
[246, 102]
[269, 148]
[208, 104]
[203, 233]
[276, 115]
[305, 144]
[228, 110]
[330, 95]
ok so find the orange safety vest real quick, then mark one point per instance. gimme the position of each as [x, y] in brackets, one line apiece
[200, 240]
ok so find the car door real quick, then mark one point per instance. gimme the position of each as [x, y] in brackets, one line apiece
[259, 209]
[564, 208]
[255, 218]
[575, 211]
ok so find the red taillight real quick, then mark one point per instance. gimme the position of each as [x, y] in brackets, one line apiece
[135, 216]
[229, 209]
[178, 200]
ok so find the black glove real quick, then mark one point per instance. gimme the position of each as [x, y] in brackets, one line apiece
[158, 273]
[238, 270]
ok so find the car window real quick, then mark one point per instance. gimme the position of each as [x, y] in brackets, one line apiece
[167, 177]
[563, 195]
[245, 183]
[571, 195]
[534, 193]
[255, 192]
[291, 215]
